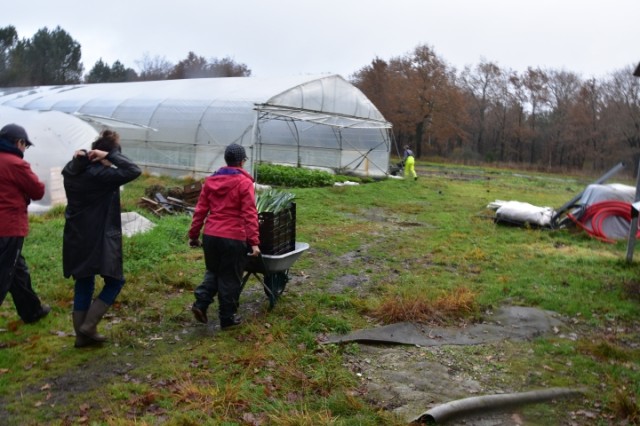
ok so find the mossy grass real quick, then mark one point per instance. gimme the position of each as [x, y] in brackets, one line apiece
[425, 250]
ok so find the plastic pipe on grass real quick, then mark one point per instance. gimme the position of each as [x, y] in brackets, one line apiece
[596, 214]
[488, 403]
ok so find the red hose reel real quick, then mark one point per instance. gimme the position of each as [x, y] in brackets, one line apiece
[594, 217]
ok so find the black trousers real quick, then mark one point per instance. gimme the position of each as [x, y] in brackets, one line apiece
[206, 291]
[16, 280]
[225, 260]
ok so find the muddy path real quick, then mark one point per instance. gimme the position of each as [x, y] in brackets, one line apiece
[428, 366]
[409, 372]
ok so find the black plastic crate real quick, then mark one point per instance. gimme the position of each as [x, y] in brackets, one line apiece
[278, 231]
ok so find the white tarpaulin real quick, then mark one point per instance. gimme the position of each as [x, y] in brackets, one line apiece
[613, 191]
[56, 136]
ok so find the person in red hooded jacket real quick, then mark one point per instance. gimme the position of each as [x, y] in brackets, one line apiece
[227, 210]
[18, 186]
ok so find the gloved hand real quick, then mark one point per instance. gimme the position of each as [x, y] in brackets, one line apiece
[194, 242]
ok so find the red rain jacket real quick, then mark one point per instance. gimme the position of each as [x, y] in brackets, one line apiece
[227, 207]
[18, 186]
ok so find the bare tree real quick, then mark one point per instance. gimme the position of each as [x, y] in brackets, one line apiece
[481, 85]
[417, 93]
[227, 67]
[374, 81]
[586, 133]
[622, 114]
[534, 83]
[195, 66]
[153, 68]
[563, 86]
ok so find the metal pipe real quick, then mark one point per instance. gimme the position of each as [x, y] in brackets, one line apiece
[482, 404]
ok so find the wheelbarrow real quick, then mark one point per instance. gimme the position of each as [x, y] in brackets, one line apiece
[274, 270]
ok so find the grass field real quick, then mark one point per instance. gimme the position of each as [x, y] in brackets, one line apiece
[430, 245]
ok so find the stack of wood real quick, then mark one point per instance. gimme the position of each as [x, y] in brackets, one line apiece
[177, 200]
[191, 192]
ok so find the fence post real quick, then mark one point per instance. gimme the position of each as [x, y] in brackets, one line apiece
[633, 226]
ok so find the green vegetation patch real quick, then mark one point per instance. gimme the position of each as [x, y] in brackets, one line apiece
[426, 251]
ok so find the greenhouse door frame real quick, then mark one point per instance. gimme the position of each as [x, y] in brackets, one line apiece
[263, 115]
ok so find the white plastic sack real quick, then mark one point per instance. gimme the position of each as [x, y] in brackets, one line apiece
[133, 223]
[346, 183]
[519, 212]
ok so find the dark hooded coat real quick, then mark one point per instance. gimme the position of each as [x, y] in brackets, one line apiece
[92, 241]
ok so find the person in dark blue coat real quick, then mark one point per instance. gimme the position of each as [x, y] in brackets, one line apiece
[92, 241]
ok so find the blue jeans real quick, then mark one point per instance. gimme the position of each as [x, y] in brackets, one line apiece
[84, 288]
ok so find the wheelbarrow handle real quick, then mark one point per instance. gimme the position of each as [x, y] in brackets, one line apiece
[261, 260]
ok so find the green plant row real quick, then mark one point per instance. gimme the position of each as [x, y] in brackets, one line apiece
[270, 174]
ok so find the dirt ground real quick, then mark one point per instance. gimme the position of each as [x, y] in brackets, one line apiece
[404, 368]
[408, 369]
[411, 377]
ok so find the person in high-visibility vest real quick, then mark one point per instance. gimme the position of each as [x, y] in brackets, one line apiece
[409, 163]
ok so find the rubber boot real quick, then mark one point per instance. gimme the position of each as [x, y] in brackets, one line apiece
[199, 310]
[81, 339]
[230, 321]
[95, 313]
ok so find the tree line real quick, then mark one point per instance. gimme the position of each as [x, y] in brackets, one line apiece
[53, 57]
[539, 118]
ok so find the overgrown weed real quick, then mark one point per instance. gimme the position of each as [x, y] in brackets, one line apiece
[445, 308]
[625, 405]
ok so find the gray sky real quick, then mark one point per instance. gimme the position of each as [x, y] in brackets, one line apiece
[294, 37]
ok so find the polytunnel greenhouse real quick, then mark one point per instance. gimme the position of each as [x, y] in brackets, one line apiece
[181, 127]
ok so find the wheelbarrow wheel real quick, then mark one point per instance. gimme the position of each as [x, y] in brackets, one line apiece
[274, 285]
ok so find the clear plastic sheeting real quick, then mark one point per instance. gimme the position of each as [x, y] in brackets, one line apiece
[181, 127]
[56, 136]
[323, 101]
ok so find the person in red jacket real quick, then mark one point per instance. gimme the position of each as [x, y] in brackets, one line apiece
[227, 209]
[18, 186]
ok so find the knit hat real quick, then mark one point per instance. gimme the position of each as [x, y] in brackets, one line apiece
[13, 132]
[234, 154]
